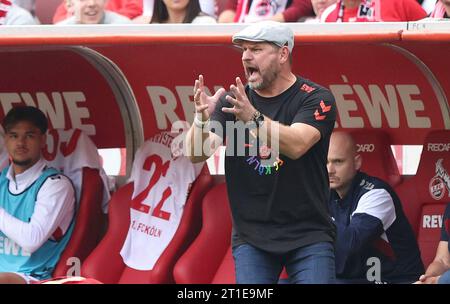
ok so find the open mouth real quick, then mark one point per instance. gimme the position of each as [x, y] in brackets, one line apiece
[251, 71]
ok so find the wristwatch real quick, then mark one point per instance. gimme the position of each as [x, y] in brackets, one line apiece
[258, 118]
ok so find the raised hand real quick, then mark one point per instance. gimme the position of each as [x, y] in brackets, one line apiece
[243, 109]
[204, 104]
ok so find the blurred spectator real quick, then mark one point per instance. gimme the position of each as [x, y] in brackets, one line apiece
[258, 10]
[5, 6]
[92, 12]
[208, 7]
[127, 8]
[441, 10]
[29, 5]
[180, 11]
[428, 5]
[319, 7]
[373, 11]
[14, 14]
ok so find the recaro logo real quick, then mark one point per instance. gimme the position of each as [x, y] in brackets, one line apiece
[365, 147]
[432, 221]
[438, 147]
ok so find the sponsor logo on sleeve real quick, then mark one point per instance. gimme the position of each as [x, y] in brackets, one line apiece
[320, 114]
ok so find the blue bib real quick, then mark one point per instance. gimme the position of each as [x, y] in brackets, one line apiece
[41, 263]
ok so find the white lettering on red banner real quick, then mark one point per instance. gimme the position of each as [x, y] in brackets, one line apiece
[389, 101]
[54, 107]
[432, 221]
[378, 100]
[164, 103]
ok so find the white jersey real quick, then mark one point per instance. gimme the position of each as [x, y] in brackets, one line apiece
[161, 186]
[71, 150]
[264, 9]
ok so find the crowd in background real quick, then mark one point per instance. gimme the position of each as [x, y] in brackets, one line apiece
[23, 12]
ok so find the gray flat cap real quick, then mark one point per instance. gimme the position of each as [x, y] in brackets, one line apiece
[267, 31]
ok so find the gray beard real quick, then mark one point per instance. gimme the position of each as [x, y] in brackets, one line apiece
[266, 82]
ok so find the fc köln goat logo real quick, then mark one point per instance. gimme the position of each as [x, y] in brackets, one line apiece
[440, 182]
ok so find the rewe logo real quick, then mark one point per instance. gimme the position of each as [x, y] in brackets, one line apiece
[432, 221]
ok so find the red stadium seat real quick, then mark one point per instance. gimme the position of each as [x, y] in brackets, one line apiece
[89, 222]
[89, 187]
[200, 262]
[209, 258]
[45, 9]
[377, 157]
[425, 195]
[106, 264]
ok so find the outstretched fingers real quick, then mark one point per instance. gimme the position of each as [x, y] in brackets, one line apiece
[201, 81]
[240, 86]
[199, 84]
[197, 98]
[219, 93]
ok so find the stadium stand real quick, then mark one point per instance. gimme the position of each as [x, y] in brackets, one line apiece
[45, 9]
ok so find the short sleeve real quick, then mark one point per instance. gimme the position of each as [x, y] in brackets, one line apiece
[318, 110]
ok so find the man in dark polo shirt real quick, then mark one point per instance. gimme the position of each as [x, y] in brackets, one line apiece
[275, 166]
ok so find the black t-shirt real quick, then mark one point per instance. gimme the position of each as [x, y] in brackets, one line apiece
[281, 206]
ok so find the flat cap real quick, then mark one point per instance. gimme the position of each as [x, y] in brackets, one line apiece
[267, 31]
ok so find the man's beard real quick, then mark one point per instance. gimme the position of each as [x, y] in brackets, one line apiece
[22, 163]
[267, 80]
